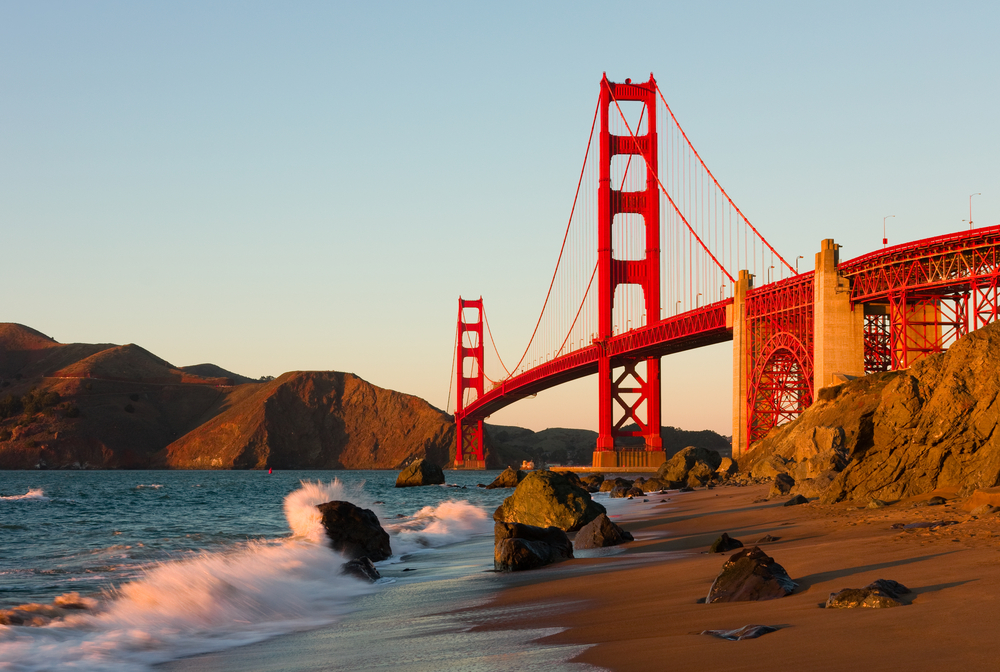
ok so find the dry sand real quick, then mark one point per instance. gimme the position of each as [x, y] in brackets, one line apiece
[640, 608]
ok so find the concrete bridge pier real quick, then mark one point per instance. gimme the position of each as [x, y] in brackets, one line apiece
[838, 326]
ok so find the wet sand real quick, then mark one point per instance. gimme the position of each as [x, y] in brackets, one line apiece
[639, 609]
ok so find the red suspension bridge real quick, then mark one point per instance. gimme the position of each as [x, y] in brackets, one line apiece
[658, 259]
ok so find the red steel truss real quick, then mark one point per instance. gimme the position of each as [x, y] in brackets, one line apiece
[469, 447]
[779, 323]
[878, 351]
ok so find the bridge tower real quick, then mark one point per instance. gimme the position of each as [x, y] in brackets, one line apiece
[469, 449]
[623, 387]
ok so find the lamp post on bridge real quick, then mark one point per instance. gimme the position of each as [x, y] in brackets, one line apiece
[770, 268]
[970, 208]
[797, 263]
[677, 308]
[885, 241]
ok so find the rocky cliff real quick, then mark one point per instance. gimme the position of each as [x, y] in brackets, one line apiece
[897, 434]
[317, 420]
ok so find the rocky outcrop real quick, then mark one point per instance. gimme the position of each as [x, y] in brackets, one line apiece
[601, 532]
[420, 472]
[750, 575]
[508, 478]
[518, 547]
[609, 485]
[592, 482]
[693, 466]
[899, 434]
[880, 594]
[546, 498]
[354, 532]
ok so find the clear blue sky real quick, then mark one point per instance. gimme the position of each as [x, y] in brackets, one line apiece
[279, 186]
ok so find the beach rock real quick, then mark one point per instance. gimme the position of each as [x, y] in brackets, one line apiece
[654, 485]
[767, 539]
[420, 472]
[361, 568]
[601, 532]
[508, 478]
[880, 594]
[678, 467]
[782, 485]
[796, 500]
[877, 504]
[725, 543]
[750, 575]
[701, 473]
[354, 532]
[546, 498]
[619, 492]
[727, 467]
[984, 510]
[592, 482]
[518, 547]
[609, 485]
[634, 492]
[746, 632]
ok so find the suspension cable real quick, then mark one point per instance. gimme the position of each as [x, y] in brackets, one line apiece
[583, 169]
[710, 174]
[663, 189]
[490, 332]
[570, 332]
[451, 378]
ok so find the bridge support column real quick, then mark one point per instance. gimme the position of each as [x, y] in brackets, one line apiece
[839, 329]
[737, 319]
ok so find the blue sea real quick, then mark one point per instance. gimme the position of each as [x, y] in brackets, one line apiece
[226, 570]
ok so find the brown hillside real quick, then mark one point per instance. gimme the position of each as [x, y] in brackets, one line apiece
[21, 346]
[131, 362]
[317, 420]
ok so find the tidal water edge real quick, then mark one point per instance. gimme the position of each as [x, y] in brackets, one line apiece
[228, 570]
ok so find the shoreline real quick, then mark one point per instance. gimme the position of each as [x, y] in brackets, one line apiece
[643, 613]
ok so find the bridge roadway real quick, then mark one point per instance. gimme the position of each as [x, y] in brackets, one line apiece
[911, 287]
[689, 330]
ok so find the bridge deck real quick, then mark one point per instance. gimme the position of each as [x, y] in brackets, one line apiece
[693, 329]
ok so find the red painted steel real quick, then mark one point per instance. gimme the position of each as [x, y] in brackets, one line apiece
[630, 392]
[687, 331]
[779, 323]
[469, 443]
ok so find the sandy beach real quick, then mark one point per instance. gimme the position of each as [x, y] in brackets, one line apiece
[640, 609]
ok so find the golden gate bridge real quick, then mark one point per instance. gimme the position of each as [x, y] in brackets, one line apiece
[657, 259]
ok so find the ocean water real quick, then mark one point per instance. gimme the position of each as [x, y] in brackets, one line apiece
[199, 570]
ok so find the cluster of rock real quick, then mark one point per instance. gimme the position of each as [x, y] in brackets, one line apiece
[518, 547]
[879, 594]
[898, 434]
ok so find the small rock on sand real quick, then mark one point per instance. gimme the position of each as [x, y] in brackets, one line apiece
[746, 632]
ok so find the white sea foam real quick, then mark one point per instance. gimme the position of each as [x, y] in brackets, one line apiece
[303, 516]
[155, 486]
[33, 494]
[205, 603]
[447, 523]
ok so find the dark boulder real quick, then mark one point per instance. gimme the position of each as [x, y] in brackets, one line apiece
[354, 532]
[634, 492]
[725, 543]
[547, 498]
[518, 547]
[782, 485]
[361, 568]
[420, 472]
[654, 485]
[750, 575]
[601, 532]
[796, 500]
[619, 491]
[593, 482]
[608, 486]
[508, 478]
[880, 594]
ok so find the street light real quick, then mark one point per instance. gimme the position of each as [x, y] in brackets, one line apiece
[885, 241]
[771, 268]
[677, 308]
[797, 263]
[970, 208]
